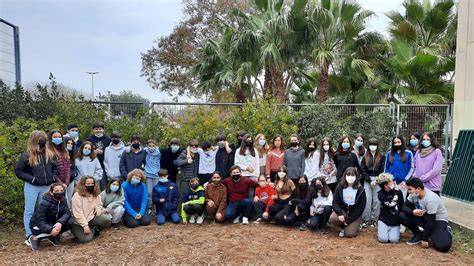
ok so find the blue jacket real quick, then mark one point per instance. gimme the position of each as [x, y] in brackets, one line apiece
[136, 198]
[152, 163]
[401, 171]
[130, 161]
[169, 192]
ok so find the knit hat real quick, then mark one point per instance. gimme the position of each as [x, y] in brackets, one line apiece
[384, 178]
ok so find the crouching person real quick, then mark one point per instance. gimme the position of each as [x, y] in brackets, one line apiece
[136, 200]
[216, 198]
[166, 198]
[112, 201]
[391, 203]
[193, 202]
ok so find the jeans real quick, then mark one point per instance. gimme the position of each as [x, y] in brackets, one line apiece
[161, 219]
[388, 234]
[242, 207]
[372, 206]
[260, 208]
[117, 214]
[150, 184]
[69, 193]
[320, 220]
[131, 222]
[32, 194]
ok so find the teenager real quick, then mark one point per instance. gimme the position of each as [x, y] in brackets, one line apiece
[112, 200]
[246, 157]
[168, 158]
[345, 157]
[326, 163]
[86, 162]
[166, 199]
[414, 142]
[216, 198]
[207, 161]
[429, 163]
[87, 210]
[223, 155]
[152, 166]
[312, 156]
[348, 204]
[239, 136]
[188, 162]
[262, 151]
[62, 156]
[100, 141]
[294, 159]
[71, 149]
[284, 188]
[193, 203]
[425, 209]
[73, 133]
[320, 197]
[51, 218]
[299, 205]
[359, 149]
[391, 203]
[112, 155]
[275, 157]
[38, 170]
[399, 162]
[134, 157]
[263, 198]
[136, 200]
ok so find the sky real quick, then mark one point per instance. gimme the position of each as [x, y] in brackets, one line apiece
[72, 37]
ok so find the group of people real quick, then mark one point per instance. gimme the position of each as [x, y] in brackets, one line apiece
[88, 186]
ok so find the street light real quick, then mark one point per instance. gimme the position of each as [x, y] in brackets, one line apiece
[92, 77]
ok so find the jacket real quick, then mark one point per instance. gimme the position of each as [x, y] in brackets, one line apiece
[193, 197]
[222, 162]
[169, 192]
[112, 156]
[100, 143]
[136, 198]
[344, 160]
[188, 171]
[64, 169]
[391, 204]
[84, 209]
[243, 161]
[400, 170]
[43, 174]
[368, 170]
[131, 160]
[168, 162]
[152, 163]
[112, 200]
[218, 194]
[49, 212]
[295, 162]
[87, 167]
[353, 212]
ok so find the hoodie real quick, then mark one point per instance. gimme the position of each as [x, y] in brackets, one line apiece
[152, 163]
[295, 162]
[353, 212]
[131, 160]
[193, 197]
[112, 157]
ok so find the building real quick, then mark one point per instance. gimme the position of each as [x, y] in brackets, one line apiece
[10, 70]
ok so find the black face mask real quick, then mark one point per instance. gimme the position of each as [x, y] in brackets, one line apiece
[58, 195]
[294, 144]
[115, 141]
[42, 143]
[194, 186]
[248, 142]
[318, 187]
[90, 189]
[398, 147]
[239, 141]
[236, 177]
[303, 186]
[311, 148]
[136, 146]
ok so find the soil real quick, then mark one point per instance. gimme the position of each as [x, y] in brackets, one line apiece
[227, 244]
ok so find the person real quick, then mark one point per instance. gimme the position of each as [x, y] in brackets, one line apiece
[37, 168]
[275, 157]
[207, 161]
[298, 208]
[71, 149]
[112, 155]
[112, 201]
[312, 156]
[223, 155]
[166, 198]
[371, 166]
[168, 158]
[238, 187]
[100, 141]
[326, 163]
[188, 162]
[429, 163]
[216, 198]
[414, 142]
[348, 204]
[284, 188]
[133, 157]
[262, 151]
[345, 157]
[359, 149]
[87, 211]
[263, 198]
[193, 203]
[73, 133]
[136, 200]
[86, 162]
[239, 136]
[424, 208]
[399, 162]
[294, 159]
[320, 197]
[152, 167]
[62, 156]
[246, 157]
[391, 203]
[51, 218]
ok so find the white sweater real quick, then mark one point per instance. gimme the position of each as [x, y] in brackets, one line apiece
[311, 169]
[248, 160]
[86, 167]
[322, 201]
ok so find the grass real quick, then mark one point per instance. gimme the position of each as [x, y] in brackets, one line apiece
[463, 242]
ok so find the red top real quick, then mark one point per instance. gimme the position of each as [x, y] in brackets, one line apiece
[275, 159]
[238, 190]
[265, 195]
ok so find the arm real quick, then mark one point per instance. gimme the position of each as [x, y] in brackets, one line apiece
[144, 202]
[65, 216]
[436, 169]
[256, 172]
[21, 167]
[55, 170]
[182, 158]
[239, 159]
[106, 160]
[155, 197]
[228, 149]
[175, 201]
[78, 211]
[118, 202]
[42, 214]
[408, 206]
[410, 163]
[336, 202]
[363, 171]
[126, 205]
[98, 172]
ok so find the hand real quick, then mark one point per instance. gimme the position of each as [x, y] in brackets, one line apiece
[87, 230]
[162, 200]
[205, 185]
[396, 186]
[271, 184]
[58, 226]
[98, 151]
[219, 216]
[211, 204]
[342, 219]
[318, 205]
[274, 197]
[297, 212]
[255, 199]
[373, 184]
[138, 217]
[402, 185]
[311, 212]
[265, 215]
[425, 244]
[190, 161]
[418, 212]
[250, 169]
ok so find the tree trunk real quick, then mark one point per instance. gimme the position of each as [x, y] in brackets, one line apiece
[274, 86]
[239, 95]
[322, 90]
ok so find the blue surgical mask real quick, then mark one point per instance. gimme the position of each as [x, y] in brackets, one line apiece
[358, 143]
[262, 142]
[163, 179]
[413, 142]
[426, 143]
[73, 134]
[69, 147]
[114, 188]
[86, 152]
[174, 148]
[345, 146]
[135, 181]
[57, 141]
[151, 150]
[392, 187]
[194, 151]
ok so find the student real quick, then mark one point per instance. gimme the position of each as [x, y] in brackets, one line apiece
[62, 156]
[136, 200]
[294, 159]
[134, 157]
[152, 167]
[239, 136]
[87, 210]
[429, 163]
[100, 142]
[312, 156]
[246, 157]
[425, 209]
[371, 166]
[348, 204]
[359, 149]
[414, 142]
[38, 170]
[112, 155]
[345, 157]
[299, 205]
[188, 162]
[166, 198]
[320, 197]
[284, 188]
[168, 158]
[391, 203]
[207, 161]
[262, 151]
[399, 162]
[73, 133]
[223, 155]
[86, 162]
[326, 163]
[238, 187]
[275, 157]
[51, 218]
[193, 203]
[71, 149]
[113, 200]
[216, 198]
[263, 198]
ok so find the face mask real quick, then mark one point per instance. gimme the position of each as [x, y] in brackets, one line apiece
[350, 179]
[326, 147]
[248, 142]
[426, 143]
[345, 146]
[392, 187]
[281, 174]
[194, 186]
[90, 189]
[99, 135]
[311, 148]
[262, 142]
[152, 150]
[57, 141]
[136, 146]
[163, 179]
[58, 195]
[42, 143]
[294, 144]
[358, 143]
[194, 151]
[69, 147]
[86, 152]
[221, 145]
[116, 141]
[398, 147]
[236, 177]
[216, 181]
[373, 148]
[135, 181]
[73, 134]
[303, 185]
[416, 195]
[318, 187]
[174, 148]
[114, 188]
[413, 142]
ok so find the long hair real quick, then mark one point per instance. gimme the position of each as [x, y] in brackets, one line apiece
[52, 186]
[282, 146]
[325, 190]
[79, 153]
[393, 151]
[307, 152]
[34, 151]
[244, 147]
[300, 194]
[350, 171]
[81, 187]
[61, 148]
[136, 172]
[265, 148]
[119, 191]
[284, 180]
[322, 152]
[378, 155]
[339, 147]
[361, 149]
[434, 141]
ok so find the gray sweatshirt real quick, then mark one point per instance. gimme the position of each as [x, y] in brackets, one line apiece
[112, 157]
[86, 167]
[294, 161]
[112, 200]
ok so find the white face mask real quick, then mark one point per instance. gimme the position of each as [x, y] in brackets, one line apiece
[350, 179]
[373, 147]
[326, 147]
[281, 174]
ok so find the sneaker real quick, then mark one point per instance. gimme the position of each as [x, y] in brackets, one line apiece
[450, 231]
[373, 224]
[302, 227]
[323, 231]
[363, 225]
[259, 220]
[341, 233]
[150, 211]
[54, 240]
[402, 229]
[245, 220]
[213, 221]
[192, 219]
[116, 226]
[236, 220]
[35, 243]
[27, 241]
[200, 219]
[414, 240]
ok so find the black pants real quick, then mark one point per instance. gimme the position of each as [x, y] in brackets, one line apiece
[292, 218]
[440, 237]
[320, 220]
[332, 187]
[273, 176]
[278, 211]
[131, 222]
[260, 208]
[192, 209]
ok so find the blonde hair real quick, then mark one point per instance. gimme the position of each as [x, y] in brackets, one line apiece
[265, 148]
[33, 148]
[136, 172]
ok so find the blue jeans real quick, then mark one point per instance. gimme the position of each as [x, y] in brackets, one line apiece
[234, 210]
[33, 194]
[161, 219]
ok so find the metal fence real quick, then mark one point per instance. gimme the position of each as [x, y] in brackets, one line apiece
[115, 110]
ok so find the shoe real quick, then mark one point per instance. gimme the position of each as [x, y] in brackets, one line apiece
[245, 220]
[259, 220]
[402, 229]
[450, 231]
[35, 243]
[96, 232]
[373, 224]
[200, 219]
[414, 240]
[213, 221]
[27, 241]
[54, 240]
[192, 219]
[341, 233]
[236, 220]
[302, 227]
[363, 225]
[116, 226]
[323, 231]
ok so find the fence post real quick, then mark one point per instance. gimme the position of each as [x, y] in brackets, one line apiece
[398, 119]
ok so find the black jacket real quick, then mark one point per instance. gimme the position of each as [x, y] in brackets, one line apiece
[368, 170]
[131, 160]
[167, 162]
[43, 174]
[49, 212]
[100, 143]
[223, 162]
[353, 212]
[344, 160]
[391, 204]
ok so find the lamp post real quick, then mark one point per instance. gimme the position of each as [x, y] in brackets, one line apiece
[92, 77]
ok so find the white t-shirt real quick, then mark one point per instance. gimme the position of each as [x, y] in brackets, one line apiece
[349, 195]
[243, 161]
[207, 161]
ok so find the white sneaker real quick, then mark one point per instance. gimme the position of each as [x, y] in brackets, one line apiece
[341, 233]
[402, 229]
[200, 219]
[192, 219]
[245, 220]
[259, 220]
[236, 220]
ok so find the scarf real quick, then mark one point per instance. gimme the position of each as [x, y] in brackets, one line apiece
[426, 151]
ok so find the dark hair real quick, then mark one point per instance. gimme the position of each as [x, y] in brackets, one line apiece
[416, 135]
[415, 183]
[244, 147]
[232, 168]
[403, 156]
[216, 173]
[61, 148]
[174, 141]
[98, 124]
[339, 147]
[352, 171]
[135, 137]
[220, 137]
[307, 152]
[240, 133]
[53, 185]
[297, 137]
[81, 187]
[361, 149]
[378, 155]
[79, 153]
[282, 168]
[205, 145]
[434, 141]
[325, 190]
[70, 126]
[162, 172]
[322, 151]
[282, 146]
[119, 191]
[115, 135]
[300, 194]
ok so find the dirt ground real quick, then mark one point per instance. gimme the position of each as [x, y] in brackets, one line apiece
[227, 244]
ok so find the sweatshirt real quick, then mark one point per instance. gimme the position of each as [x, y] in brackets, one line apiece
[152, 163]
[311, 169]
[265, 194]
[322, 202]
[84, 209]
[112, 200]
[401, 171]
[243, 161]
[295, 162]
[131, 160]
[344, 160]
[275, 160]
[218, 194]
[354, 211]
[391, 204]
[238, 190]
[87, 167]
[112, 157]
[428, 169]
[136, 198]
[193, 197]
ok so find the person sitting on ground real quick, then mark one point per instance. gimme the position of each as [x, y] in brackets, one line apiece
[263, 198]
[299, 206]
[193, 203]
[216, 198]
[284, 189]
[391, 203]
[136, 200]
[321, 204]
[113, 200]
[166, 198]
